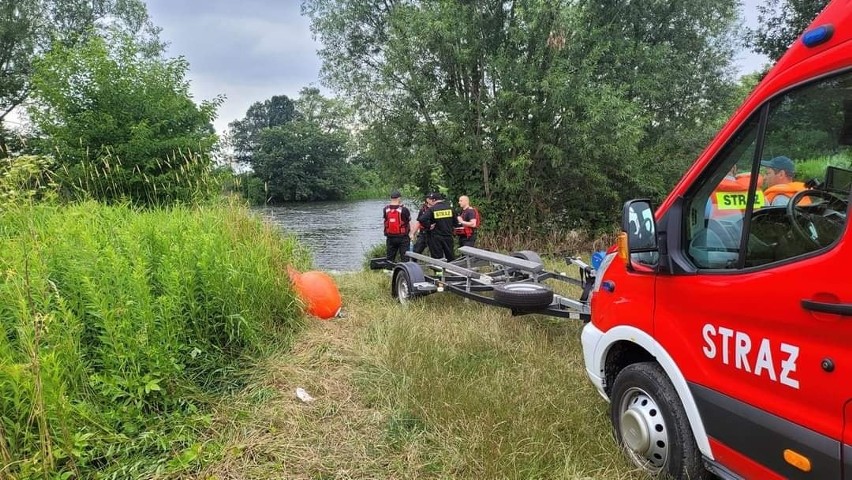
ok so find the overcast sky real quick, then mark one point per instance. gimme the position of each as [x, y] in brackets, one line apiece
[250, 50]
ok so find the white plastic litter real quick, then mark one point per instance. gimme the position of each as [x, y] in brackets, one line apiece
[304, 396]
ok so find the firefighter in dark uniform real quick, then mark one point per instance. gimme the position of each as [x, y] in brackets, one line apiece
[420, 235]
[438, 219]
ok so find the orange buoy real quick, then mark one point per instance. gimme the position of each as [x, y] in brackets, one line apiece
[318, 291]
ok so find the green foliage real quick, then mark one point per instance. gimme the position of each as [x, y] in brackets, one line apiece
[550, 113]
[814, 168]
[29, 28]
[378, 250]
[104, 107]
[781, 22]
[247, 186]
[298, 151]
[302, 163]
[274, 112]
[118, 326]
[26, 178]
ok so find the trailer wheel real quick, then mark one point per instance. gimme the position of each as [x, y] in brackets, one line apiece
[523, 295]
[650, 424]
[403, 287]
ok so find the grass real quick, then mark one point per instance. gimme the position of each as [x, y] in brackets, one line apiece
[442, 388]
[121, 328]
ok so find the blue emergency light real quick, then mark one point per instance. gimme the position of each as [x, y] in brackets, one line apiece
[817, 36]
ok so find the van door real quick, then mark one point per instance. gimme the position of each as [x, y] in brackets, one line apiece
[756, 311]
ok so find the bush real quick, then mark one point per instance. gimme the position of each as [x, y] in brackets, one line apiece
[118, 325]
[25, 178]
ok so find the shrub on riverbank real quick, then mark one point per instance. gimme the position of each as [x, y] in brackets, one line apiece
[118, 325]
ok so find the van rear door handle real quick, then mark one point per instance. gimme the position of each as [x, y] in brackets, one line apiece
[836, 308]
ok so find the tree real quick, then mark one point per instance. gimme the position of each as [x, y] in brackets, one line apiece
[29, 28]
[331, 114]
[270, 113]
[781, 22]
[121, 124]
[552, 111]
[298, 149]
[299, 162]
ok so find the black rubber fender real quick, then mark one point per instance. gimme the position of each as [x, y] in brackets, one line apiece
[523, 296]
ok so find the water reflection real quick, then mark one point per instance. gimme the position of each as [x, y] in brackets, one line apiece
[338, 233]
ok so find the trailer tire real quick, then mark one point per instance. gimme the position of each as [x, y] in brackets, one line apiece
[527, 255]
[523, 296]
[405, 275]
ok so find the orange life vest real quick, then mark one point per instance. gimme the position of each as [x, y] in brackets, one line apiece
[787, 190]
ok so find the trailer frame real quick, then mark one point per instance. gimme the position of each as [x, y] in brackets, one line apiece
[512, 281]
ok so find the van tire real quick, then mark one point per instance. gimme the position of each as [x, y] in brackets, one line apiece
[523, 296]
[659, 440]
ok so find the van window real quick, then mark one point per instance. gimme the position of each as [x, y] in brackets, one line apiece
[786, 191]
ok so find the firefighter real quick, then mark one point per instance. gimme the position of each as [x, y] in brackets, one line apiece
[780, 186]
[420, 235]
[468, 221]
[397, 219]
[438, 220]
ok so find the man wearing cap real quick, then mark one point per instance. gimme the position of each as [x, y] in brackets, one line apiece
[397, 221]
[420, 235]
[778, 178]
[438, 221]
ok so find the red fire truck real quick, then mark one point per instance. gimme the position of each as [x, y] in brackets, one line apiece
[721, 322]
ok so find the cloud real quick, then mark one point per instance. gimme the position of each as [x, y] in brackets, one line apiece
[247, 51]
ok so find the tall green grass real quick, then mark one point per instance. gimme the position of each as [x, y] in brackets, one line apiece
[118, 327]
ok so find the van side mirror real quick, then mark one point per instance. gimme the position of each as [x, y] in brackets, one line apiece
[640, 227]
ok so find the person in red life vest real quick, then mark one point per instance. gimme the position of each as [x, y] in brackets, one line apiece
[438, 221]
[397, 220]
[778, 178]
[468, 223]
[420, 235]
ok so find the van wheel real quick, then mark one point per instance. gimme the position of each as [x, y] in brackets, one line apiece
[650, 424]
[522, 296]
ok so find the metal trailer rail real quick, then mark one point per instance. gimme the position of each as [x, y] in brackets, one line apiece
[510, 281]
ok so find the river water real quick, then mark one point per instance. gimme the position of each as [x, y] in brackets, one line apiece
[338, 233]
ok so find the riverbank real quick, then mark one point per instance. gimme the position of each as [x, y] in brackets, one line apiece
[443, 388]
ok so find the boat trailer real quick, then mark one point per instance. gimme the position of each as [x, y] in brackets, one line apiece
[512, 281]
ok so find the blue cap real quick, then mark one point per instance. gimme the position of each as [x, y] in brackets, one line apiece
[780, 163]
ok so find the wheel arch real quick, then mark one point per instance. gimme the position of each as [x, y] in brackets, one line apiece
[624, 345]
